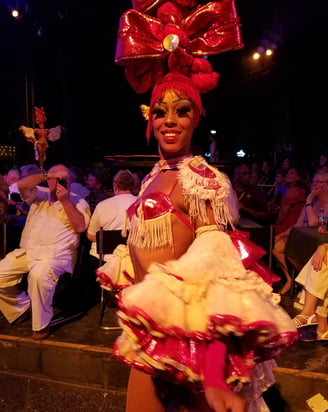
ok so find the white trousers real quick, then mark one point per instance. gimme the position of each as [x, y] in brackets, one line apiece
[42, 280]
[316, 282]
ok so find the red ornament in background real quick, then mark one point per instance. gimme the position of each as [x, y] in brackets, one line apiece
[40, 136]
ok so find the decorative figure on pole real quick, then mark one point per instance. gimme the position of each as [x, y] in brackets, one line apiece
[40, 136]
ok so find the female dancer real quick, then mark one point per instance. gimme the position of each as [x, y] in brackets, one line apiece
[199, 329]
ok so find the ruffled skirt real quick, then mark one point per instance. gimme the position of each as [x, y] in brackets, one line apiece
[206, 294]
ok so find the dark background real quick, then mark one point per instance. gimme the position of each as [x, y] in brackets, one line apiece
[60, 55]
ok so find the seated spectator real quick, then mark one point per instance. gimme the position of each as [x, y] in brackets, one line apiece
[323, 160]
[11, 177]
[314, 278]
[287, 163]
[95, 184]
[324, 168]
[3, 211]
[252, 202]
[292, 201]
[4, 190]
[78, 181]
[255, 170]
[48, 248]
[316, 200]
[276, 193]
[319, 163]
[110, 213]
[267, 177]
[17, 208]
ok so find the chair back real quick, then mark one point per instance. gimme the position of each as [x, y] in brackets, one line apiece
[107, 240]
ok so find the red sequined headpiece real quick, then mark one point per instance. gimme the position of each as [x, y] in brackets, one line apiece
[158, 37]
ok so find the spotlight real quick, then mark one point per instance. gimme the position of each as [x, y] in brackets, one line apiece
[15, 13]
[241, 153]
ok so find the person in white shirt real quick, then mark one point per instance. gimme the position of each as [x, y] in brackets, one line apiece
[48, 248]
[11, 178]
[110, 213]
[17, 209]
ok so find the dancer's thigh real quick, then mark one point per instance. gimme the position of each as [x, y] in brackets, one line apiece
[141, 394]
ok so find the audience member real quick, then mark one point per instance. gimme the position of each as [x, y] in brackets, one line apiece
[110, 214]
[278, 190]
[17, 209]
[319, 163]
[48, 248]
[3, 211]
[314, 278]
[292, 201]
[78, 181]
[252, 202]
[287, 163]
[95, 184]
[4, 190]
[316, 200]
[267, 177]
[255, 173]
[11, 177]
[324, 168]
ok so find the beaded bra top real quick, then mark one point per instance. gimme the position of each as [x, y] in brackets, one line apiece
[150, 216]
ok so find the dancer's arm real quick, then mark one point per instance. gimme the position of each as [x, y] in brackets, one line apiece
[218, 395]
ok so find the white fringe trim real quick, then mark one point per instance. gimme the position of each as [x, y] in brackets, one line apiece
[151, 234]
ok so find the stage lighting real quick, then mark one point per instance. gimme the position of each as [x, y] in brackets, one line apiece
[15, 13]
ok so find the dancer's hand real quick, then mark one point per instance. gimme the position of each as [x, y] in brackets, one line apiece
[222, 400]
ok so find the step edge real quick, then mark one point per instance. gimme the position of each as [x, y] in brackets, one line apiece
[54, 343]
[300, 372]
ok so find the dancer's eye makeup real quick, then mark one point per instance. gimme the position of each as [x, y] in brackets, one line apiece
[181, 109]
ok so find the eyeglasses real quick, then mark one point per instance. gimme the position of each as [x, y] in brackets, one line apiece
[319, 181]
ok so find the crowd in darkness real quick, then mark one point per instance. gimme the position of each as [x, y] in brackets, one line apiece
[270, 194]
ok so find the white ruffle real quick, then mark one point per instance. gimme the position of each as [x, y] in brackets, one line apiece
[209, 279]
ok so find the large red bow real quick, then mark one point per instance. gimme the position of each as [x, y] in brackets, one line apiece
[208, 30]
